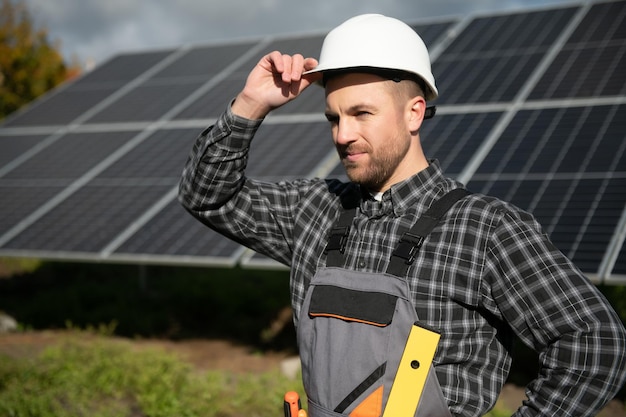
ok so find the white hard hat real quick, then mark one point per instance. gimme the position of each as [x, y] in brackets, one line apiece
[377, 42]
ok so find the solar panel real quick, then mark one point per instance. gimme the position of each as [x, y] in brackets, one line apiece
[201, 62]
[63, 108]
[147, 102]
[620, 265]
[213, 103]
[567, 166]
[531, 110]
[86, 220]
[70, 157]
[19, 200]
[492, 58]
[181, 239]
[158, 157]
[283, 151]
[69, 102]
[454, 138]
[561, 140]
[14, 146]
[122, 68]
[431, 33]
[597, 50]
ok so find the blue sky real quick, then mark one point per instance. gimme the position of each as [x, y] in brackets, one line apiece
[95, 30]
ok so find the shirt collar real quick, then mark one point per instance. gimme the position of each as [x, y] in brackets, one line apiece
[416, 190]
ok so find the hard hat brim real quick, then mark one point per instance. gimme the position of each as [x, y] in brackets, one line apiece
[430, 91]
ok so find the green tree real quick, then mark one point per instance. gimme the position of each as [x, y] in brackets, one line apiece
[30, 64]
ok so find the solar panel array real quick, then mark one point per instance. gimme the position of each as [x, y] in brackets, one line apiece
[532, 109]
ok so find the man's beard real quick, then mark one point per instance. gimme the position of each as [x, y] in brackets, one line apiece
[381, 165]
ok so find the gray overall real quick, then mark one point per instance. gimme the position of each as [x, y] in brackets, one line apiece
[355, 325]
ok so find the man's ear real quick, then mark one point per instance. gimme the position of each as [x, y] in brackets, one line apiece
[416, 112]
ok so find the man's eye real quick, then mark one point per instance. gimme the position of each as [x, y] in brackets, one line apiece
[332, 119]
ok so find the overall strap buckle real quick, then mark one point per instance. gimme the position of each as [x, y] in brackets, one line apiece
[411, 242]
[408, 247]
[337, 239]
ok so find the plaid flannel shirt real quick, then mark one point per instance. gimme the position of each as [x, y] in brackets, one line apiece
[486, 274]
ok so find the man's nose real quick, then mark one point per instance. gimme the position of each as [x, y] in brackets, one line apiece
[345, 132]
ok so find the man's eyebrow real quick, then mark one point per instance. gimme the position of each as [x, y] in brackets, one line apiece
[351, 110]
[361, 106]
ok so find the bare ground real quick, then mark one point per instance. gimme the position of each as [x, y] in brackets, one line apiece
[204, 355]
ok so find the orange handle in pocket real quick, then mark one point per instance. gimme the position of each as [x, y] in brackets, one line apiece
[292, 405]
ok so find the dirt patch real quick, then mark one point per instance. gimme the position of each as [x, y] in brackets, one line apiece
[202, 354]
[221, 355]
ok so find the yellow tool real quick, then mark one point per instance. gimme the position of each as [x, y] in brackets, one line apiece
[411, 376]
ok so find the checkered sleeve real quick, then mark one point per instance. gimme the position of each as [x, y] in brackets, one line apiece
[215, 190]
[557, 311]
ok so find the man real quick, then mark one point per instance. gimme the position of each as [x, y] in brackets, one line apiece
[479, 276]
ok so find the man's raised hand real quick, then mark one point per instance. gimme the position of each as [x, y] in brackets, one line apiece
[276, 79]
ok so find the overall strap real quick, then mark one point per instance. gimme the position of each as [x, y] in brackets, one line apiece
[341, 229]
[338, 236]
[410, 243]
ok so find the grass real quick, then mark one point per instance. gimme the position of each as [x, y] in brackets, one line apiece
[100, 376]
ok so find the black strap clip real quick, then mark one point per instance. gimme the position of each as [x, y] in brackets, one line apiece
[337, 239]
[408, 247]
